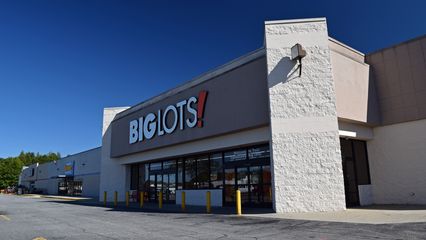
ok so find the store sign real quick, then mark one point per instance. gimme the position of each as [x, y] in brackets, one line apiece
[235, 156]
[69, 169]
[258, 152]
[227, 103]
[166, 121]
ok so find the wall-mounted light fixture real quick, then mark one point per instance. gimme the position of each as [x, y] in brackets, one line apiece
[297, 53]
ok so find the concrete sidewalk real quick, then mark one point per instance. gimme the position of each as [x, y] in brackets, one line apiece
[376, 214]
[55, 197]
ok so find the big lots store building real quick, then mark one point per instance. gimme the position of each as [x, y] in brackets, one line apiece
[331, 130]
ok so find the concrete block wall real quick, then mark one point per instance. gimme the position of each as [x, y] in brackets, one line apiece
[305, 148]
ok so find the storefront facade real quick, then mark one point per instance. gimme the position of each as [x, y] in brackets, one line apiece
[220, 172]
[292, 135]
[73, 175]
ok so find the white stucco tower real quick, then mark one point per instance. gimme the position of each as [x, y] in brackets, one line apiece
[306, 159]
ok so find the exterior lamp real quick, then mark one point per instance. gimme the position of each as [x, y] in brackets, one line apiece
[297, 53]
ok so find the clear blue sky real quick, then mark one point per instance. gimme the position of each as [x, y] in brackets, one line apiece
[62, 62]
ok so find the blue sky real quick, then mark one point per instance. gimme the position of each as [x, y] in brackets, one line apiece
[62, 62]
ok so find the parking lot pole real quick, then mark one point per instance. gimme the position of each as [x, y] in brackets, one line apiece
[115, 198]
[105, 198]
[160, 200]
[141, 199]
[127, 199]
[238, 193]
[183, 201]
[208, 199]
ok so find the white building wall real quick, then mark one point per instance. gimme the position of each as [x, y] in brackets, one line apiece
[199, 197]
[305, 148]
[397, 158]
[52, 186]
[113, 174]
[87, 162]
[90, 184]
[42, 185]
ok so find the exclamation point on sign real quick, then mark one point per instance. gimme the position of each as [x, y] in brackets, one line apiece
[202, 97]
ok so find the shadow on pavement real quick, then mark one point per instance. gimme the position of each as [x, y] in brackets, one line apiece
[392, 207]
[167, 208]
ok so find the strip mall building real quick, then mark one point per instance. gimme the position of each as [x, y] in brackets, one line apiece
[331, 130]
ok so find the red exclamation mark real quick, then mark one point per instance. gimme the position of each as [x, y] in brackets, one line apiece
[202, 96]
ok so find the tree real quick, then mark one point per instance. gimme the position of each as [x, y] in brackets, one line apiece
[11, 167]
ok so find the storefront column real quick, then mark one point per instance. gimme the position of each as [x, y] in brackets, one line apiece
[305, 150]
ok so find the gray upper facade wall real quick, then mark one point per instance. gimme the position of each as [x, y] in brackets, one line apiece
[236, 100]
[399, 73]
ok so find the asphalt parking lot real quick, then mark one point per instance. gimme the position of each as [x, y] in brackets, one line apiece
[29, 218]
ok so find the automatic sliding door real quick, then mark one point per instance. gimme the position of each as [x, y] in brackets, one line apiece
[256, 193]
[171, 191]
[229, 189]
[243, 184]
[254, 183]
[266, 185]
[152, 190]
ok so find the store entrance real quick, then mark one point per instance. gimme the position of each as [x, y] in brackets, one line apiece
[68, 187]
[355, 169]
[254, 182]
[162, 182]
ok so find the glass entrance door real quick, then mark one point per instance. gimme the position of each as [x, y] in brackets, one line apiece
[229, 190]
[154, 187]
[169, 187]
[243, 184]
[165, 183]
[254, 182]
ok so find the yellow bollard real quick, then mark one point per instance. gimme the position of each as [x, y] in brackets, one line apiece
[208, 198]
[105, 198]
[160, 200]
[183, 201]
[115, 198]
[141, 199]
[238, 202]
[127, 199]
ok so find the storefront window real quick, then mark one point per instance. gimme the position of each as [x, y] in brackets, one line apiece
[169, 165]
[155, 166]
[191, 173]
[203, 176]
[206, 172]
[180, 174]
[266, 175]
[258, 152]
[134, 180]
[236, 155]
[216, 170]
[141, 186]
